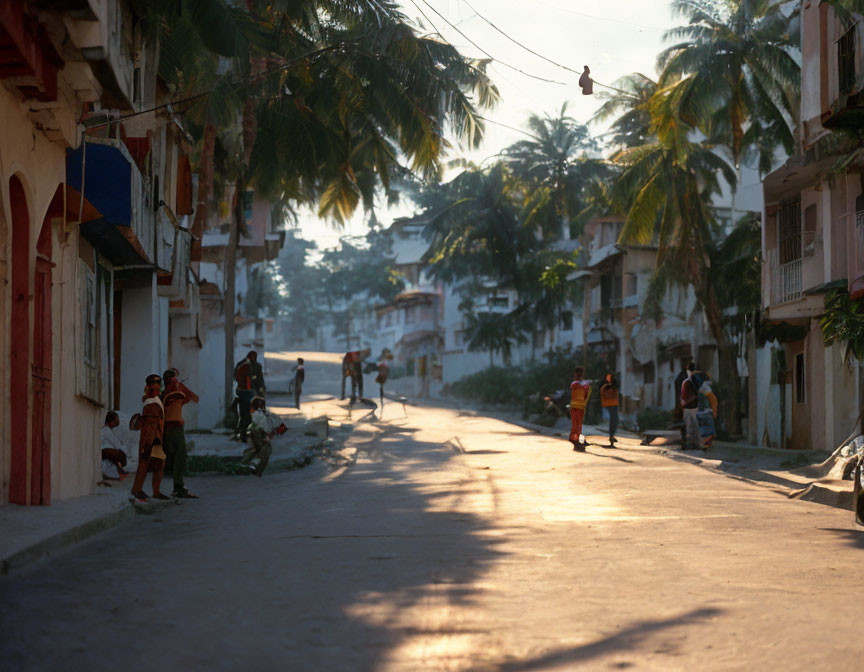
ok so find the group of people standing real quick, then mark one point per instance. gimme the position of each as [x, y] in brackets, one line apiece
[696, 401]
[580, 393]
[162, 438]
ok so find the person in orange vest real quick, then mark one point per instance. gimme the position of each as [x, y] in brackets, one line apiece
[609, 402]
[580, 392]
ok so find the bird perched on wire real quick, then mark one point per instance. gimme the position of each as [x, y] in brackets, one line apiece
[586, 82]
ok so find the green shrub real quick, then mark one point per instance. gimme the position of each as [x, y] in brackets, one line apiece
[653, 418]
[525, 386]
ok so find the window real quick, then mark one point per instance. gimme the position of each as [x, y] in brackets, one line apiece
[95, 300]
[567, 320]
[499, 302]
[789, 231]
[458, 337]
[648, 374]
[800, 379]
[809, 240]
[410, 314]
[846, 60]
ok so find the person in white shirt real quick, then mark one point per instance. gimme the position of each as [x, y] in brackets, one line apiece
[263, 427]
[113, 449]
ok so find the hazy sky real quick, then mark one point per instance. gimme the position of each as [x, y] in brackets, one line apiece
[612, 37]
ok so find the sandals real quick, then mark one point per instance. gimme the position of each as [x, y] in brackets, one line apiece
[140, 496]
[183, 494]
[160, 496]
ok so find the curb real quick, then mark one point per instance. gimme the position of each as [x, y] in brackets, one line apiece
[63, 540]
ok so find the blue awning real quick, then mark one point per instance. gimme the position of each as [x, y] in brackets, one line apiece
[106, 169]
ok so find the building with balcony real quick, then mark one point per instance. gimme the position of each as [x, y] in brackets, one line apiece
[812, 232]
[94, 247]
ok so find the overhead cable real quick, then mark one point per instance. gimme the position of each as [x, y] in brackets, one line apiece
[497, 60]
[531, 51]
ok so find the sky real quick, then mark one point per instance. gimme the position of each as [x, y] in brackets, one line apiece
[613, 37]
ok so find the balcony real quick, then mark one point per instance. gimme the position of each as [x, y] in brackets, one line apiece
[786, 282]
[118, 216]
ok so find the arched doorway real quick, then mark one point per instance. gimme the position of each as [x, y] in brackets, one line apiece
[40, 473]
[19, 344]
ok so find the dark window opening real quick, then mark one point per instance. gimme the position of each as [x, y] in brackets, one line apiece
[648, 373]
[846, 60]
[789, 231]
[800, 379]
[567, 320]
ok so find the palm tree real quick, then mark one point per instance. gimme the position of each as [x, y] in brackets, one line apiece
[669, 183]
[737, 77]
[553, 167]
[628, 104]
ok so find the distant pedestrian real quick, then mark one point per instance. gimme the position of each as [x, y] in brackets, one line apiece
[264, 426]
[677, 411]
[113, 449]
[609, 400]
[174, 397]
[249, 377]
[580, 392]
[352, 366]
[383, 372]
[151, 456]
[299, 377]
[690, 408]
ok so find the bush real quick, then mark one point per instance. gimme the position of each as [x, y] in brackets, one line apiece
[653, 418]
[525, 386]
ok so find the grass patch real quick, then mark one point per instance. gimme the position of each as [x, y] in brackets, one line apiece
[224, 465]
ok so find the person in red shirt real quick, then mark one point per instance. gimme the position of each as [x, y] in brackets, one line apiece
[352, 365]
[174, 397]
[580, 392]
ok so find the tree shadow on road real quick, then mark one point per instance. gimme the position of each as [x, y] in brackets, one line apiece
[629, 639]
[853, 536]
[316, 569]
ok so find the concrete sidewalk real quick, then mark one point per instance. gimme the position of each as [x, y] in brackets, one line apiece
[30, 533]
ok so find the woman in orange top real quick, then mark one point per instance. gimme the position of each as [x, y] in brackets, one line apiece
[609, 401]
[580, 392]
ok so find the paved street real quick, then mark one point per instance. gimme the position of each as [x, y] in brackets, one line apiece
[453, 542]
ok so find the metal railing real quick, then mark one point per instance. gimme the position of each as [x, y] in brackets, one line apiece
[786, 279]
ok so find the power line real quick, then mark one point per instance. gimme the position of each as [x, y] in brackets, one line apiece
[531, 51]
[202, 94]
[499, 61]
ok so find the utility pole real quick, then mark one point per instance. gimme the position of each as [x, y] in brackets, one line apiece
[230, 290]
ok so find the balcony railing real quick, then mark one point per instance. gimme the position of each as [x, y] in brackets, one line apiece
[786, 279]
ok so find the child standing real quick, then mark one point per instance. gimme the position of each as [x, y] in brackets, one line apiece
[609, 401]
[580, 392]
[151, 456]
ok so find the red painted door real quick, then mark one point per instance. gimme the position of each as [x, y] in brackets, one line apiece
[40, 474]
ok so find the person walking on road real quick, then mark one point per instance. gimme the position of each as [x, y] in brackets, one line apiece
[151, 456]
[174, 397]
[249, 377]
[580, 392]
[609, 401]
[299, 377]
[690, 408]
